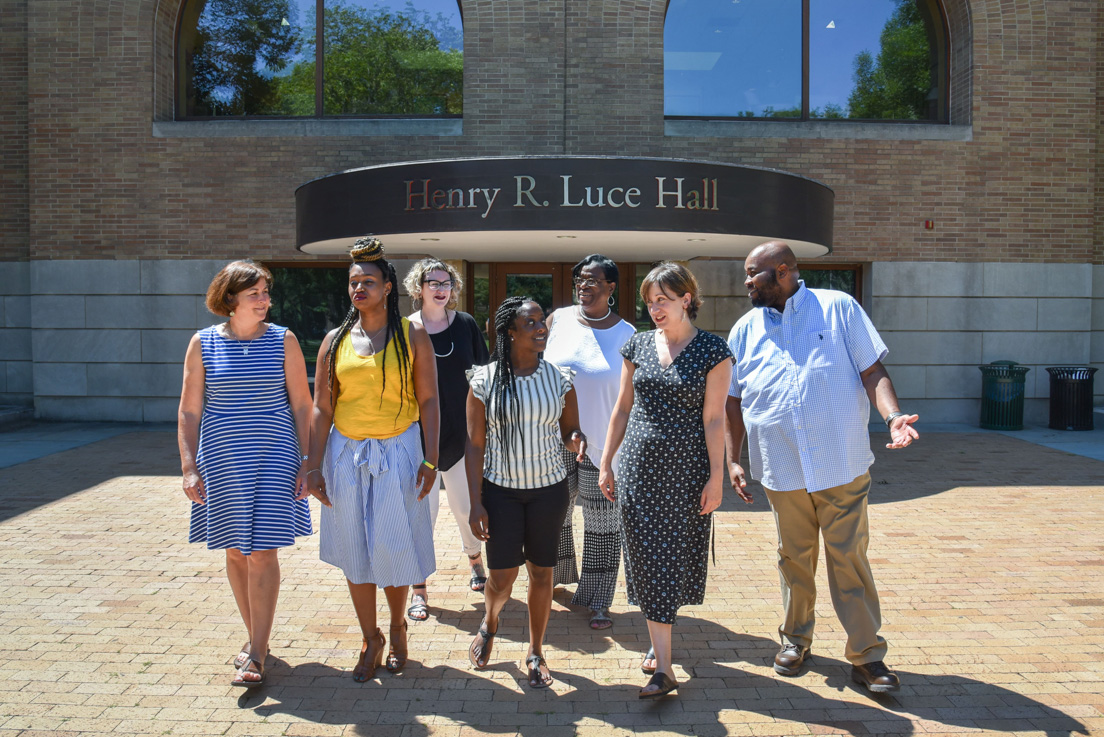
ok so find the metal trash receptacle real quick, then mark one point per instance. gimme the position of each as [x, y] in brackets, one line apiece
[1002, 395]
[1071, 397]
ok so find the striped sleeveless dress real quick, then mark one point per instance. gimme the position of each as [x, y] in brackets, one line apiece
[248, 450]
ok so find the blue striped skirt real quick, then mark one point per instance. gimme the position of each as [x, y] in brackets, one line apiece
[377, 531]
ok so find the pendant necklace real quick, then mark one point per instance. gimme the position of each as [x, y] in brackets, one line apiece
[371, 343]
[452, 344]
[244, 345]
[583, 314]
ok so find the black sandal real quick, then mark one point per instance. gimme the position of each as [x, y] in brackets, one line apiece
[484, 641]
[418, 611]
[650, 656]
[538, 678]
[478, 580]
[666, 685]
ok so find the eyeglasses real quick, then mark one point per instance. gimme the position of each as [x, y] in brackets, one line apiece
[590, 283]
[438, 286]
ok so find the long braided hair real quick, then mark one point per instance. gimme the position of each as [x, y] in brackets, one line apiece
[370, 250]
[505, 403]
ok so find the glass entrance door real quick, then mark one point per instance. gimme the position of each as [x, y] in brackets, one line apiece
[549, 284]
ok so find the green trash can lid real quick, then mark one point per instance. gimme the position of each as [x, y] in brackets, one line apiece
[1003, 363]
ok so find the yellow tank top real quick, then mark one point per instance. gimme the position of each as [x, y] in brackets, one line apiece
[359, 414]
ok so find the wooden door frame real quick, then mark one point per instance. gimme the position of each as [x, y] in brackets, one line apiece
[500, 269]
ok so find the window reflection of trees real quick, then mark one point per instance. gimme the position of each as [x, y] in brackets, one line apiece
[900, 76]
[258, 57]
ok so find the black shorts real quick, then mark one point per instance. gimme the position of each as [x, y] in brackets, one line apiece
[524, 524]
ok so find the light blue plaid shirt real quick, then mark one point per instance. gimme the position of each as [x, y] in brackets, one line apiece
[803, 402]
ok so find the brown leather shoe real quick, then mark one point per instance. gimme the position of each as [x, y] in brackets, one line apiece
[876, 677]
[789, 659]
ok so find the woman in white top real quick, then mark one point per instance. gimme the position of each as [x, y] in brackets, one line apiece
[587, 338]
[521, 411]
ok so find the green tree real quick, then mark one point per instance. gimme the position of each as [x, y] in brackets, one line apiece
[381, 63]
[240, 45]
[897, 83]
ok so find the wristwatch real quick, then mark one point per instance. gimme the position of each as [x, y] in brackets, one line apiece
[893, 416]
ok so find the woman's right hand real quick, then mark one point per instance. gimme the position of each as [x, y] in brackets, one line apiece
[605, 483]
[193, 487]
[316, 485]
[477, 519]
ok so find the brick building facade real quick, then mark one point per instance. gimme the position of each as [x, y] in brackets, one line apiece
[114, 215]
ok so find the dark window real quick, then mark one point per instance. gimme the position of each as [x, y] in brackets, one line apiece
[841, 277]
[371, 58]
[805, 59]
[310, 301]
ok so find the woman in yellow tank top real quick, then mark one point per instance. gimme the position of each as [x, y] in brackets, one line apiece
[375, 408]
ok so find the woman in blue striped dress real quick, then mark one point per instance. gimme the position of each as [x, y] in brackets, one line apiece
[375, 409]
[244, 418]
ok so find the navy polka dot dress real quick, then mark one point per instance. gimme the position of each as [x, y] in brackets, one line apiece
[664, 467]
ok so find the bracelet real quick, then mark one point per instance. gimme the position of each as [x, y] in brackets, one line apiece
[428, 465]
[314, 470]
[893, 416]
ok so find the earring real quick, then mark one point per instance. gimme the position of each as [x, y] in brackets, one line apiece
[610, 300]
[231, 313]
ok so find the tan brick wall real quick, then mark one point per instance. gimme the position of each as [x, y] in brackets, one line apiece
[1025, 188]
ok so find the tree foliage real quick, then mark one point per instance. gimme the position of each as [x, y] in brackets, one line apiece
[896, 84]
[251, 58]
[239, 46]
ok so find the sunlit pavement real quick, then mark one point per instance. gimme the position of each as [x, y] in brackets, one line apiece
[987, 550]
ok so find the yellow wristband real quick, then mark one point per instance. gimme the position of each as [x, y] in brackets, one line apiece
[428, 465]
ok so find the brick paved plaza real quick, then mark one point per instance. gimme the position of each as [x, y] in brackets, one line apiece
[987, 550]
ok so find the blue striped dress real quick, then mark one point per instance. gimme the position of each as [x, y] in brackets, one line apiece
[248, 450]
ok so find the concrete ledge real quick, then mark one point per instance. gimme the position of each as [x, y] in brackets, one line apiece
[308, 127]
[840, 129]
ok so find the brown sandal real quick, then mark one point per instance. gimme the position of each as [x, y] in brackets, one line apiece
[253, 667]
[371, 657]
[396, 656]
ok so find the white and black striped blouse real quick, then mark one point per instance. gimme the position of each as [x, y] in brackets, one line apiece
[537, 461]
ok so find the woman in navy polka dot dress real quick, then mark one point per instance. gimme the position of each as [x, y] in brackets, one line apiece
[670, 415]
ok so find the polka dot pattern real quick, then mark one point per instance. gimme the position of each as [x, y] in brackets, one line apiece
[664, 467]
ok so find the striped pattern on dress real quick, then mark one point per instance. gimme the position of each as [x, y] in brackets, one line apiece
[248, 452]
[377, 530]
[542, 401]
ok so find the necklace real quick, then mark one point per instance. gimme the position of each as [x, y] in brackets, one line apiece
[371, 343]
[452, 344]
[583, 314]
[247, 343]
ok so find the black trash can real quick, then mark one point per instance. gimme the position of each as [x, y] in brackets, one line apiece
[1071, 397]
[1002, 395]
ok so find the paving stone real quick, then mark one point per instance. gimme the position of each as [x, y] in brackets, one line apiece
[985, 548]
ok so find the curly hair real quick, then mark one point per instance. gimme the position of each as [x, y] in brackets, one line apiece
[673, 279]
[416, 276]
[370, 250]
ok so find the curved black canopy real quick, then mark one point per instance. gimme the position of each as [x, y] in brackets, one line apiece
[534, 208]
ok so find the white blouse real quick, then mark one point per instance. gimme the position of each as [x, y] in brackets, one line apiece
[595, 357]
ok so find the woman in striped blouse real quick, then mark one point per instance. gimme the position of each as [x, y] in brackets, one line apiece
[521, 411]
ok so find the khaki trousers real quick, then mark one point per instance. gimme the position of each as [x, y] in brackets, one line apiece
[839, 514]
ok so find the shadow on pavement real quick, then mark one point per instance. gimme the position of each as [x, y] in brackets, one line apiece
[27, 486]
[729, 673]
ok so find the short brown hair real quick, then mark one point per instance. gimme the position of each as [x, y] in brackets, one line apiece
[235, 277]
[416, 275]
[674, 279]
